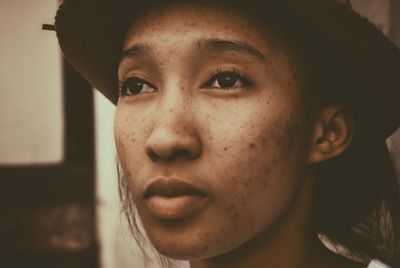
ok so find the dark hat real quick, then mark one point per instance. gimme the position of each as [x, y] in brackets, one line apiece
[91, 34]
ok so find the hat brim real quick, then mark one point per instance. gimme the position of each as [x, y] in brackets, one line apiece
[91, 34]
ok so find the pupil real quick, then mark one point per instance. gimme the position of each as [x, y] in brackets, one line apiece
[136, 87]
[227, 81]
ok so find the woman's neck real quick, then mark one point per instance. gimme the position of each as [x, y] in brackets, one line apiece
[288, 243]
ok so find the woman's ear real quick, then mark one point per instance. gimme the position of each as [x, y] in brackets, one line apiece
[332, 134]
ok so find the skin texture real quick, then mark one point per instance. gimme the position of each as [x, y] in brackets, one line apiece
[249, 148]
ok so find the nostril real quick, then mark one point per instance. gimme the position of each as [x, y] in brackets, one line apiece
[181, 153]
[153, 156]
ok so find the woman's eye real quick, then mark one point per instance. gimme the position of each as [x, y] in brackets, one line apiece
[226, 80]
[134, 86]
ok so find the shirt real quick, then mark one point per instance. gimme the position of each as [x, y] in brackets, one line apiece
[377, 264]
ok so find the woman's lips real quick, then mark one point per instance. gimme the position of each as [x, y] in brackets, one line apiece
[171, 198]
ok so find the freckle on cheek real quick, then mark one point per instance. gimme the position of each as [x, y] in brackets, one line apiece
[252, 145]
[128, 174]
[205, 248]
[264, 141]
[246, 182]
[235, 216]
[120, 145]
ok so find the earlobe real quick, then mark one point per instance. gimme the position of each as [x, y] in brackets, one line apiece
[332, 134]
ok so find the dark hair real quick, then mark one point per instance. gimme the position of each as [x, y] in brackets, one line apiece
[356, 203]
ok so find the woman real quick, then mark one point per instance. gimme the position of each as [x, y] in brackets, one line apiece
[248, 132]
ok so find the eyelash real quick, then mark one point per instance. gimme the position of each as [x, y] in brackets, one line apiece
[124, 86]
[220, 73]
[235, 76]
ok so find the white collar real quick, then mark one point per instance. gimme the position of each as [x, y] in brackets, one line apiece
[377, 264]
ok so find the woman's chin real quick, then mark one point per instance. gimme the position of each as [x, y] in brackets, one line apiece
[178, 250]
[188, 249]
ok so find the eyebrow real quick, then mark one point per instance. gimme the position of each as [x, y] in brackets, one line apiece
[136, 50]
[223, 45]
[213, 44]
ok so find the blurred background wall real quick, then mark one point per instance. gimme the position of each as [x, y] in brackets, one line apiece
[47, 193]
[31, 85]
[57, 156]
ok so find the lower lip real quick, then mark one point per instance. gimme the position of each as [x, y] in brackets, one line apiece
[175, 207]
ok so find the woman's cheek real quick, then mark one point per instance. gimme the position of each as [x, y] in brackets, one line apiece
[126, 142]
[258, 159]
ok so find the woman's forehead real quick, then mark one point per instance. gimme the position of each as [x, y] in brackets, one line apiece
[200, 20]
[187, 30]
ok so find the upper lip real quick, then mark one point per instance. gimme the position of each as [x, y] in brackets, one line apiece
[170, 187]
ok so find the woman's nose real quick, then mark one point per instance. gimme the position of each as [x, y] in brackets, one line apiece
[174, 136]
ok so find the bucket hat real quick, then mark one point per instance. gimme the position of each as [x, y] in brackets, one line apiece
[91, 34]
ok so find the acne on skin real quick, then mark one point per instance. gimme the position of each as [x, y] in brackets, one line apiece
[245, 147]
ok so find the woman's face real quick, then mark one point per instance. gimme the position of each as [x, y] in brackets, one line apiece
[210, 129]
